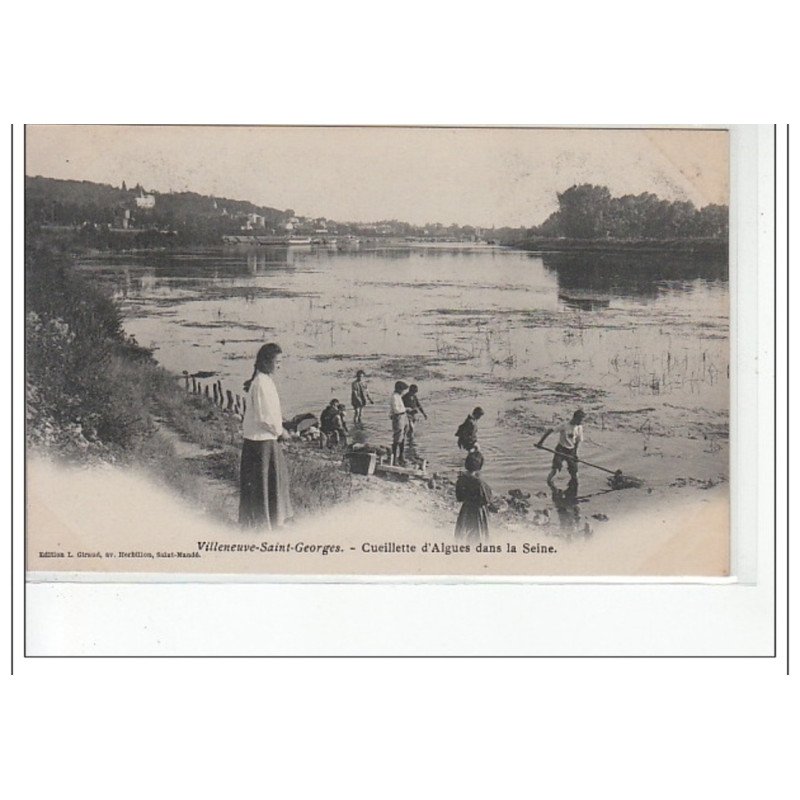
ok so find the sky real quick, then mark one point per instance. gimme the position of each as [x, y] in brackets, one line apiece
[470, 176]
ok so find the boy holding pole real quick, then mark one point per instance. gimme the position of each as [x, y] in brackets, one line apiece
[570, 435]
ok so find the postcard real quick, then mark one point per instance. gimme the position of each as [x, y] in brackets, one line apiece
[424, 352]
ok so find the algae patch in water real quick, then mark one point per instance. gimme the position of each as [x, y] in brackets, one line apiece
[418, 367]
[699, 483]
[223, 325]
[620, 481]
[345, 357]
[217, 292]
[386, 366]
[542, 390]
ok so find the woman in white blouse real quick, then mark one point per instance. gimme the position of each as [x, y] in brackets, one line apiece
[264, 500]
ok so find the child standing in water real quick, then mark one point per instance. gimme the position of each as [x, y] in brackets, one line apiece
[397, 412]
[413, 406]
[475, 495]
[467, 432]
[570, 435]
[359, 396]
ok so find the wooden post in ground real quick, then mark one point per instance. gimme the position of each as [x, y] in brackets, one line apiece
[216, 394]
[194, 385]
[186, 380]
[221, 395]
[206, 392]
[229, 394]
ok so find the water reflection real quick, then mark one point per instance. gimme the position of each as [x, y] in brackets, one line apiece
[517, 333]
[396, 253]
[583, 302]
[269, 258]
[567, 509]
[637, 275]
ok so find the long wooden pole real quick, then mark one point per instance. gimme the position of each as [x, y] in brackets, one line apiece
[579, 460]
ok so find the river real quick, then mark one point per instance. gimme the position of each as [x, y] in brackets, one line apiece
[640, 342]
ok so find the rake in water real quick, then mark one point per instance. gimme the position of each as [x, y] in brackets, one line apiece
[617, 479]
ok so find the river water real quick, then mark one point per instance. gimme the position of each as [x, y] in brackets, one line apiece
[640, 342]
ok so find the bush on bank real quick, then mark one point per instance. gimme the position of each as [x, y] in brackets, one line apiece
[75, 351]
[94, 394]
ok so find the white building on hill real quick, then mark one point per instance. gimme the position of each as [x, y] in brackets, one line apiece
[145, 201]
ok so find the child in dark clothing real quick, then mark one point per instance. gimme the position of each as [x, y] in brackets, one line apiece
[413, 406]
[475, 495]
[331, 425]
[467, 432]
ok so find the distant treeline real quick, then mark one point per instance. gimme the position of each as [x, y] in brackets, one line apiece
[94, 215]
[99, 215]
[94, 209]
[590, 212]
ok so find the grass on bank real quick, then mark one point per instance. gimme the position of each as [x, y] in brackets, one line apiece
[93, 394]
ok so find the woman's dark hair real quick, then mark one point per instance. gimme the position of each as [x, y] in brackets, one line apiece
[578, 416]
[413, 389]
[360, 373]
[474, 461]
[477, 411]
[400, 386]
[265, 359]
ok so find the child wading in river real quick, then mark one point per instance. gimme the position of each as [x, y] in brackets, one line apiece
[413, 407]
[359, 396]
[397, 412]
[467, 433]
[570, 435]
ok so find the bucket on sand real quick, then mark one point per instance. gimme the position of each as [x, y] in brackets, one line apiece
[362, 463]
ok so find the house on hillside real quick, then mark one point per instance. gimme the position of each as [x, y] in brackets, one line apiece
[145, 200]
[254, 221]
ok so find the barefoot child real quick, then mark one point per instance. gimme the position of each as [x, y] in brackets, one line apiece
[570, 435]
[467, 432]
[397, 412]
[359, 396]
[413, 406]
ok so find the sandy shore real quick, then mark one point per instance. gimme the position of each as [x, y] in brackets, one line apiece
[106, 519]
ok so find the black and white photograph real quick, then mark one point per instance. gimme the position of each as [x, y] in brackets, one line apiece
[378, 351]
[399, 400]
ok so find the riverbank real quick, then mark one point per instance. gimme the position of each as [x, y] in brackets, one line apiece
[137, 525]
[181, 488]
[717, 248]
[94, 396]
[117, 408]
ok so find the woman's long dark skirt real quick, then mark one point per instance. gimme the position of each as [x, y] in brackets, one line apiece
[264, 500]
[472, 523]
